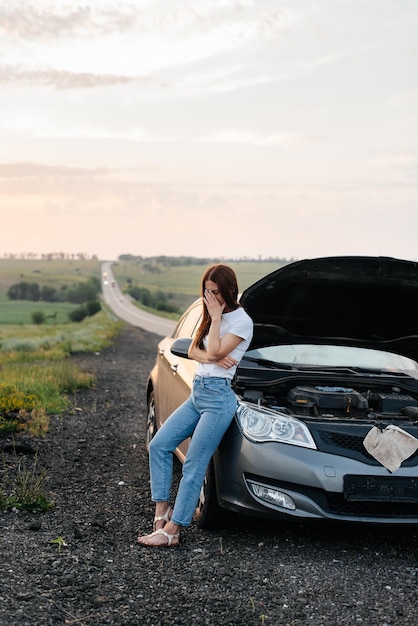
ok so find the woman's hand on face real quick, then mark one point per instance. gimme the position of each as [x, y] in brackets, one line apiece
[215, 309]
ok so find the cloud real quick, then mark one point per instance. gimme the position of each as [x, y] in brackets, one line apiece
[78, 45]
[60, 79]
[29, 20]
[50, 21]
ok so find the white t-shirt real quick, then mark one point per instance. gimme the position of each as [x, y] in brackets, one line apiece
[237, 323]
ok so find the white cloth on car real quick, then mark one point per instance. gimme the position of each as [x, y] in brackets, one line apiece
[390, 446]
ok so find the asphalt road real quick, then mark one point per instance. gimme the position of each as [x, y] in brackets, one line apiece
[124, 309]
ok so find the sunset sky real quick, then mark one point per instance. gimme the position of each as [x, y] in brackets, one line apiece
[211, 128]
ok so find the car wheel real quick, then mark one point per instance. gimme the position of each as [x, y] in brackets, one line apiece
[151, 427]
[209, 514]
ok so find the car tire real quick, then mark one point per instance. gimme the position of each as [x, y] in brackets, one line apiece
[209, 514]
[151, 427]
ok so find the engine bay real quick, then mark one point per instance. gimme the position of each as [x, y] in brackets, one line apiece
[338, 402]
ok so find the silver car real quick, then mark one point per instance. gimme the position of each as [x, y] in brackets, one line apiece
[326, 425]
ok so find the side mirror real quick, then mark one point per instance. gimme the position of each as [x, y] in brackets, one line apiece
[181, 346]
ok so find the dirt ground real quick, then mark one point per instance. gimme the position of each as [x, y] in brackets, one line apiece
[254, 573]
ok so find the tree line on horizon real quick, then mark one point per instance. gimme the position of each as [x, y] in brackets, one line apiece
[163, 259]
[174, 261]
[52, 256]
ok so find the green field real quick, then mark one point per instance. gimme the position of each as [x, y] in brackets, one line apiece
[20, 312]
[54, 273]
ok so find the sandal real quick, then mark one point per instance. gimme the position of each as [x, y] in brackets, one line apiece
[164, 518]
[169, 538]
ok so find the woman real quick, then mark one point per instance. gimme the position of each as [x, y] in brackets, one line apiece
[221, 341]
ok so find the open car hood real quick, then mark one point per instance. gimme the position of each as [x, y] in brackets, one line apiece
[369, 302]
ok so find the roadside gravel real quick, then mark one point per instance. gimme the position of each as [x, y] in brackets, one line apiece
[255, 573]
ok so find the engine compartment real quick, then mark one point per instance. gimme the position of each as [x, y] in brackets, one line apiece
[338, 402]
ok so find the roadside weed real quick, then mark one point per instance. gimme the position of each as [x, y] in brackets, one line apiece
[60, 542]
[26, 486]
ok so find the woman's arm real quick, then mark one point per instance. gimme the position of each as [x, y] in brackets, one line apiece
[197, 354]
[202, 357]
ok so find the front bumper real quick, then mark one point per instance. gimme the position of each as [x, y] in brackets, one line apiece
[313, 480]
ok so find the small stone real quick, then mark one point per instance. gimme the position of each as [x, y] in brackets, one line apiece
[35, 525]
[77, 533]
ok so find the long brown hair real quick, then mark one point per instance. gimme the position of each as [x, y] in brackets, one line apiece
[227, 283]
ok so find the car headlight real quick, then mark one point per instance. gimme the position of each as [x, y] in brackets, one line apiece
[262, 424]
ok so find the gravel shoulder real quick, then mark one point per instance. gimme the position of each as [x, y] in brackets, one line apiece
[254, 573]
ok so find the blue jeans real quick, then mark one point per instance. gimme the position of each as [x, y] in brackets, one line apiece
[206, 415]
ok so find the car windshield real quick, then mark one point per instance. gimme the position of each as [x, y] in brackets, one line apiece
[307, 355]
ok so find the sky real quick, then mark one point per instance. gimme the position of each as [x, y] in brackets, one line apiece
[209, 128]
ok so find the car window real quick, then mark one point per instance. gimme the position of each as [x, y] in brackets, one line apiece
[336, 356]
[189, 322]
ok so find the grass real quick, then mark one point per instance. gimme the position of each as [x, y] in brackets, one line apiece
[26, 488]
[20, 312]
[39, 386]
[30, 342]
[36, 376]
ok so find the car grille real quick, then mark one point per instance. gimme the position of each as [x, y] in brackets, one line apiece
[341, 440]
[339, 506]
[336, 440]
[343, 444]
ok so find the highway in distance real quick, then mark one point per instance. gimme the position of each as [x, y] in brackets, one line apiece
[124, 309]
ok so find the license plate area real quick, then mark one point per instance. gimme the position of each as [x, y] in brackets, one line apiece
[380, 488]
